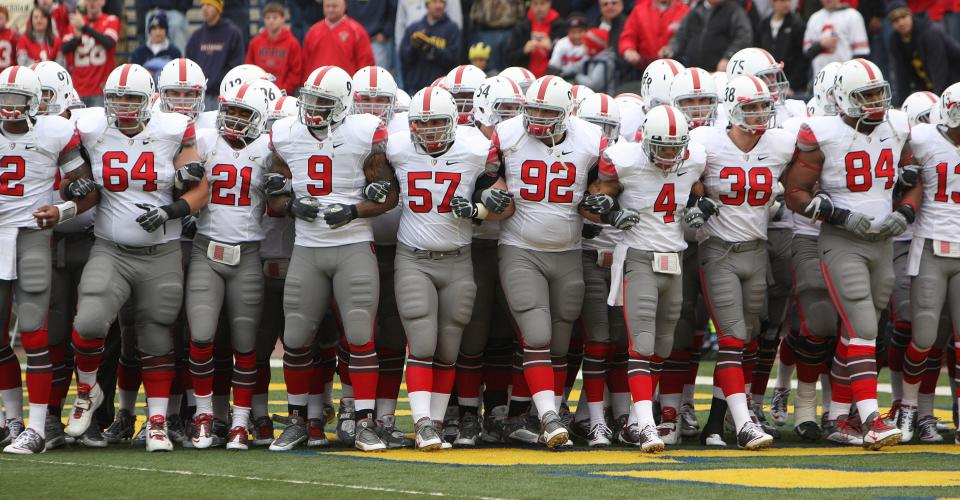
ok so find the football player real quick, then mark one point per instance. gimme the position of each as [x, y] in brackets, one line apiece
[462, 83]
[521, 76]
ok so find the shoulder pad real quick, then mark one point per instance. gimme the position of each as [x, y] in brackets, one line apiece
[170, 126]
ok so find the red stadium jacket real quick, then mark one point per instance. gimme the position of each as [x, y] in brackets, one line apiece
[37, 51]
[346, 45]
[91, 63]
[8, 48]
[279, 57]
[61, 20]
[648, 30]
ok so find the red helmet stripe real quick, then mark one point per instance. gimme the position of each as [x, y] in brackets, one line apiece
[13, 75]
[543, 87]
[756, 82]
[769, 57]
[183, 70]
[671, 121]
[696, 79]
[673, 66]
[866, 66]
[931, 96]
[242, 91]
[320, 75]
[516, 88]
[279, 105]
[603, 104]
[458, 77]
[123, 74]
[426, 99]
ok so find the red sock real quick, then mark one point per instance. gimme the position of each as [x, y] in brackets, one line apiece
[419, 374]
[694, 366]
[39, 367]
[728, 374]
[61, 375]
[786, 354]
[158, 374]
[644, 374]
[263, 379]
[128, 376]
[617, 370]
[244, 378]
[559, 364]
[538, 370]
[674, 372]
[201, 368]
[343, 364]
[840, 390]
[520, 388]
[862, 366]
[297, 369]
[928, 384]
[87, 352]
[595, 356]
[391, 373]
[9, 367]
[749, 359]
[914, 364]
[364, 371]
[443, 377]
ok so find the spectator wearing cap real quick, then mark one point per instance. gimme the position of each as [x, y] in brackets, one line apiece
[649, 29]
[378, 18]
[174, 10]
[430, 47]
[781, 34]
[835, 33]
[532, 40]
[158, 50]
[491, 22]
[217, 46]
[336, 40]
[710, 34]
[924, 57]
[569, 53]
[479, 55]
[276, 50]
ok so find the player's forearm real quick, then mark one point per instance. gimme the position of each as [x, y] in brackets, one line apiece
[105, 40]
[590, 216]
[368, 208]
[278, 204]
[197, 196]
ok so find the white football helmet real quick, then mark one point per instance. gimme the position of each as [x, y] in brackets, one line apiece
[823, 87]
[919, 105]
[656, 80]
[748, 91]
[462, 82]
[759, 63]
[429, 105]
[182, 84]
[549, 94]
[580, 93]
[375, 92]
[55, 84]
[242, 74]
[284, 106]
[20, 93]
[521, 76]
[695, 94]
[402, 103]
[243, 111]
[74, 102]
[128, 96]
[326, 98]
[665, 138]
[497, 99]
[949, 106]
[603, 111]
[862, 92]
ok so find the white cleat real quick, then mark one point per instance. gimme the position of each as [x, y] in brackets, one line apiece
[87, 402]
[714, 440]
[599, 436]
[157, 439]
[650, 441]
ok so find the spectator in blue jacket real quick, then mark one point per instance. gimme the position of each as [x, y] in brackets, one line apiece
[158, 50]
[378, 18]
[176, 12]
[217, 47]
[430, 47]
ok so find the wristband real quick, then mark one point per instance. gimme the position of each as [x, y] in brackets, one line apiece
[68, 210]
[482, 211]
[177, 209]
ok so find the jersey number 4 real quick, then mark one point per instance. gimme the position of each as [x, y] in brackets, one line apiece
[425, 203]
[859, 178]
[115, 176]
[666, 203]
[533, 173]
[12, 168]
[230, 182]
[754, 186]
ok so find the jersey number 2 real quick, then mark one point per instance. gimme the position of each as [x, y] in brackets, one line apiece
[14, 169]
[533, 173]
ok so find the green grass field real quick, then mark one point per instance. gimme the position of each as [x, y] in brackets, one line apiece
[687, 471]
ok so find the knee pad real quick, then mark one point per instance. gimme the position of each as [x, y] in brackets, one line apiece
[251, 289]
[856, 284]
[358, 320]
[413, 294]
[571, 303]
[165, 301]
[525, 292]
[154, 340]
[34, 273]
[465, 291]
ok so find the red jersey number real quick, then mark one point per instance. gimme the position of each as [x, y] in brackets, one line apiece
[753, 186]
[229, 181]
[421, 199]
[319, 169]
[12, 169]
[534, 174]
[115, 175]
[666, 203]
[941, 194]
[858, 165]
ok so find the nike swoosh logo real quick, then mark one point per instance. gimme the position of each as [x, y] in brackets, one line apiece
[146, 141]
[826, 250]
[254, 158]
[29, 147]
[681, 173]
[761, 158]
[451, 162]
[883, 139]
[562, 153]
[335, 146]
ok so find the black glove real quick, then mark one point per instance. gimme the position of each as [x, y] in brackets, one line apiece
[709, 207]
[591, 231]
[694, 218]
[188, 174]
[910, 175]
[188, 227]
[377, 191]
[622, 219]
[81, 187]
[463, 208]
[339, 215]
[275, 184]
[153, 218]
[305, 208]
[496, 200]
[820, 207]
[598, 203]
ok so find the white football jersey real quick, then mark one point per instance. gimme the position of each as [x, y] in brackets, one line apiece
[608, 238]
[427, 184]
[547, 184]
[133, 170]
[658, 198]
[859, 171]
[207, 120]
[741, 183]
[847, 25]
[278, 236]
[939, 161]
[331, 171]
[631, 118]
[399, 124]
[237, 202]
[29, 168]
[786, 109]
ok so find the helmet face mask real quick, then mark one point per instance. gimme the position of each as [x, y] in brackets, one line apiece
[506, 109]
[776, 81]
[317, 108]
[870, 103]
[129, 110]
[543, 121]
[379, 105]
[16, 105]
[610, 128]
[664, 154]
[432, 136]
[181, 100]
[464, 100]
[699, 110]
[237, 122]
[754, 116]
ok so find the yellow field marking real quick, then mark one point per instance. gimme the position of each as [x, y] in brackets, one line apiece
[800, 478]
[943, 449]
[512, 456]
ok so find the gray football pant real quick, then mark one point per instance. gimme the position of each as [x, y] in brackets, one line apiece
[600, 322]
[815, 315]
[212, 286]
[70, 254]
[435, 298]
[32, 286]
[545, 293]
[859, 276]
[900, 298]
[491, 316]
[651, 304]
[271, 310]
[734, 280]
[778, 293]
[153, 276]
[693, 312]
[937, 282]
[389, 335]
[346, 273]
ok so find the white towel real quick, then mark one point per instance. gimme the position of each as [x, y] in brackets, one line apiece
[916, 250]
[616, 276]
[8, 253]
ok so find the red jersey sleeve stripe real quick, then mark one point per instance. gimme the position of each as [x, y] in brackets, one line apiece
[72, 144]
[604, 165]
[493, 156]
[190, 134]
[380, 135]
[806, 140]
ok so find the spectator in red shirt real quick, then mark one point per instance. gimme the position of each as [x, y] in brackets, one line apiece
[8, 41]
[38, 42]
[532, 40]
[276, 50]
[337, 40]
[649, 29]
[60, 15]
[90, 50]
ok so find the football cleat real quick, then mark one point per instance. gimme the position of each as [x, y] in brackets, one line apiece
[892, 416]
[87, 402]
[713, 440]
[599, 435]
[15, 426]
[451, 419]
[53, 429]
[752, 437]
[121, 429]
[93, 438]
[4, 436]
[316, 436]
[650, 441]
[427, 437]
[808, 431]
[842, 431]
[367, 438]
[238, 438]
[202, 431]
[157, 439]
[262, 431]
[906, 422]
[493, 425]
[438, 426]
[689, 425]
[391, 436]
[293, 434]
[328, 413]
[927, 429]
[581, 429]
[778, 406]
[669, 426]
[521, 429]
[629, 435]
[140, 438]
[759, 417]
[878, 434]
[468, 431]
[554, 433]
[28, 442]
[346, 423]
[176, 429]
[566, 418]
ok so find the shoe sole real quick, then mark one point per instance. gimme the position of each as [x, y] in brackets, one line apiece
[237, 447]
[430, 447]
[317, 443]
[654, 448]
[160, 449]
[94, 444]
[766, 443]
[262, 442]
[883, 443]
[558, 439]
[601, 444]
[374, 448]
[18, 451]
[287, 447]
